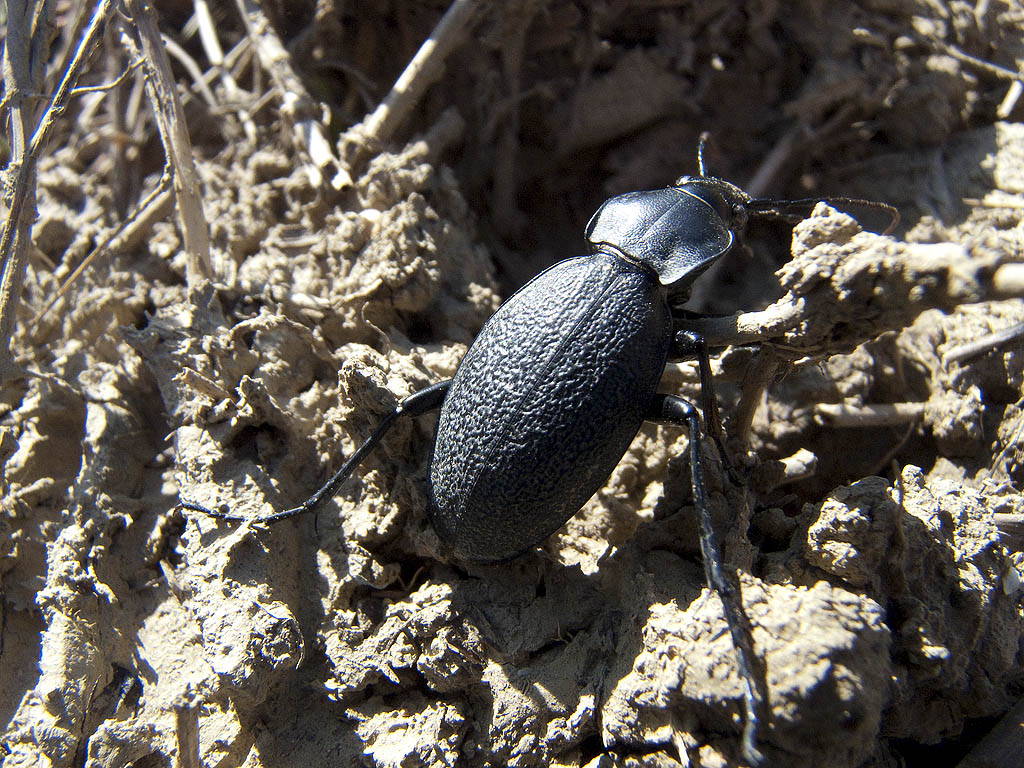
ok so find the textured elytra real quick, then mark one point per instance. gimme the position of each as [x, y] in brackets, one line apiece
[545, 403]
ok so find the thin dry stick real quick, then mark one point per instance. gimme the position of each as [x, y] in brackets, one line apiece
[17, 229]
[878, 415]
[1014, 443]
[170, 122]
[755, 384]
[785, 322]
[991, 68]
[1009, 102]
[105, 87]
[73, 28]
[155, 200]
[190, 65]
[18, 87]
[889, 460]
[424, 69]
[986, 343]
[297, 105]
[211, 46]
[515, 21]
[1008, 281]
[773, 162]
[982, 65]
[997, 199]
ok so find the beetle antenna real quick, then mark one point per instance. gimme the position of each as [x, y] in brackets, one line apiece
[702, 142]
[795, 210]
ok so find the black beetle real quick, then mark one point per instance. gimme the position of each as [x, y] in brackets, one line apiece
[560, 379]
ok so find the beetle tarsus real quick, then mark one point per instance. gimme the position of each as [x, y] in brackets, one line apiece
[220, 512]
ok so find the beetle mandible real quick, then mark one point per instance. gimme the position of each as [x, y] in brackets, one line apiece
[561, 378]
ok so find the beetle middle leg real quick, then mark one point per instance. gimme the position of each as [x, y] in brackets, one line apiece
[416, 404]
[689, 345]
[675, 410]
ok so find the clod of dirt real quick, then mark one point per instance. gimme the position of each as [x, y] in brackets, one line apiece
[930, 552]
[826, 654]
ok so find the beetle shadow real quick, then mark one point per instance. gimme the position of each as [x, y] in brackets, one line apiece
[551, 633]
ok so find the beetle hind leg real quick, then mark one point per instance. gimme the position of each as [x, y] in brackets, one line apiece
[416, 404]
[675, 410]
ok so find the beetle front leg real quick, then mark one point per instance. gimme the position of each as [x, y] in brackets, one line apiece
[675, 410]
[416, 404]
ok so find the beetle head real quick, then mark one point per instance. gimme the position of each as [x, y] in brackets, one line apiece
[730, 202]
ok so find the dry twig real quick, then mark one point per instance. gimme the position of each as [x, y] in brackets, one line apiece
[153, 207]
[170, 122]
[985, 344]
[23, 69]
[876, 415]
[424, 69]
[297, 105]
[755, 384]
[215, 54]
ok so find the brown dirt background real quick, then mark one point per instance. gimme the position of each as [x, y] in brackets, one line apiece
[884, 597]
